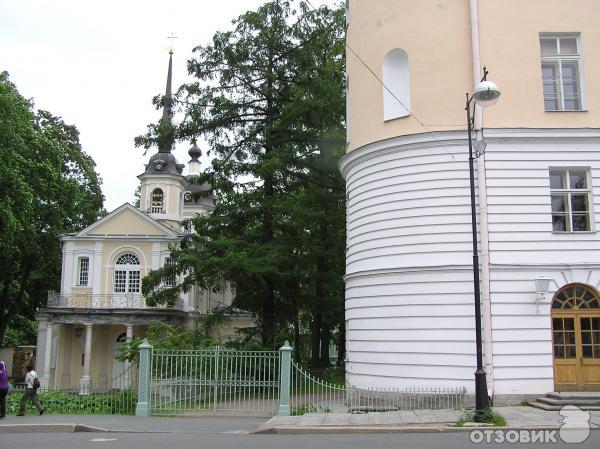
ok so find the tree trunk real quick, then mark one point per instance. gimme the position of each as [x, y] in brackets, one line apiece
[315, 334]
[297, 341]
[325, 363]
[341, 344]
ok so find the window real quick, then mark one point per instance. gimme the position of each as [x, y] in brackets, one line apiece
[561, 72]
[127, 274]
[84, 271]
[157, 202]
[570, 200]
[170, 282]
[396, 85]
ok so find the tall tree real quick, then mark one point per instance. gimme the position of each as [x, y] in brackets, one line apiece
[48, 186]
[266, 96]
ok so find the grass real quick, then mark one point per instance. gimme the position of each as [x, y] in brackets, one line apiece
[489, 417]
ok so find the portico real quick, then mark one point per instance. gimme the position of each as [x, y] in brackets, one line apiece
[79, 346]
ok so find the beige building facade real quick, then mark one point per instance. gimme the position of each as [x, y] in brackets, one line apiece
[100, 306]
[409, 279]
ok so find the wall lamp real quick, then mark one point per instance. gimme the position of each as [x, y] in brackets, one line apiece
[542, 286]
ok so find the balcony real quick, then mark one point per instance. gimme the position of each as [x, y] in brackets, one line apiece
[108, 301]
[156, 210]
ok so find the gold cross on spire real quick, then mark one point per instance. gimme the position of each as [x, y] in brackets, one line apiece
[171, 38]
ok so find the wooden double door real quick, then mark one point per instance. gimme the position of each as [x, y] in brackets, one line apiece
[576, 339]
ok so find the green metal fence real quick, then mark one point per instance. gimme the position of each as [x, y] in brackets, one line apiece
[215, 381]
[222, 381]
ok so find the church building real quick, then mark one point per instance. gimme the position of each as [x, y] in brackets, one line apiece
[100, 305]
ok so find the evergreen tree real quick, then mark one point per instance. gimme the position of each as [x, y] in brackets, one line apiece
[268, 97]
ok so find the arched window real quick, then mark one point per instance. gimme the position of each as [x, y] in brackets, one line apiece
[127, 274]
[396, 89]
[577, 296]
[157, 201]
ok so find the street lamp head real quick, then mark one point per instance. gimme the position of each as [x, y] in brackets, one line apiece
[486, 94]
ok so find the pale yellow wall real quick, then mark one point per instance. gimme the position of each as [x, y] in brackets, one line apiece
[111, 251]
[101, 368]
[127, 222]
[510, 32]
[230, 329]
[437, 37]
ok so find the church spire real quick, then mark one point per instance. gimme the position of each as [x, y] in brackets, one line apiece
[166, 142]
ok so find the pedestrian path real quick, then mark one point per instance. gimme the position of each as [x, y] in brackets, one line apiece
[374, 422]
[516, 417]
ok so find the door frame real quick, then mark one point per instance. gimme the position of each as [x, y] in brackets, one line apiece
[576, 313]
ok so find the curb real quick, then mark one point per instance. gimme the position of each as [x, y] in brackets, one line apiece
[434, 428]
[49, 428]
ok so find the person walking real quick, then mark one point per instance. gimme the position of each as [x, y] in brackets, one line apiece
[31, 387]
[3, 388]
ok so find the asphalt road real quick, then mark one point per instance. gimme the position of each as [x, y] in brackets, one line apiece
[241, 441]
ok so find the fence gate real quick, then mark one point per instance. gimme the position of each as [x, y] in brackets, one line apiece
[214, 381]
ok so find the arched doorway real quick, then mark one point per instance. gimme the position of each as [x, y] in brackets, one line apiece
[118, 367]
[576, 338]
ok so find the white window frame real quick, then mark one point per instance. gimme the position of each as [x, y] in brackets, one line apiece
[558, 59]
[130, 279]
[80, 260]
[169, 261]
[568, 191]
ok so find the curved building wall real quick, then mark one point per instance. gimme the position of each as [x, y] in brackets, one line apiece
[409, 313]
[409, 288]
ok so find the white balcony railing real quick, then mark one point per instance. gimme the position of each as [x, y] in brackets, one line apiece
[108, 301]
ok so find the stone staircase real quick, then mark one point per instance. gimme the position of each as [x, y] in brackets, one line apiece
[555, 401]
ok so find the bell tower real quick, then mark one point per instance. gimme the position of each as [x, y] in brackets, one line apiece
[163, 183]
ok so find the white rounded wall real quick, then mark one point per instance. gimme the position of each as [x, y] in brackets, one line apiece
[409, 288]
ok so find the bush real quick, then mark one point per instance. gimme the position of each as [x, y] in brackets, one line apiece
[69, 403]
[489, 417]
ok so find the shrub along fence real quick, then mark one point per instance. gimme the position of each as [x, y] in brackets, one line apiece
[117, 396]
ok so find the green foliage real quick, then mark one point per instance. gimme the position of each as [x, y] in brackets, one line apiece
[60, 402]
[165, 336]
[20, 331]
[269, 98]
[136, 196]
[309, 407]
[489, 417]
[48, 186]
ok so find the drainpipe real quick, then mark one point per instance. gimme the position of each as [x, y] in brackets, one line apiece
[484, 252]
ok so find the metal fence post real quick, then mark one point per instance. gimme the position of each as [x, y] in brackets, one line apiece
[285, 371]
[216, 384]
[143, 404]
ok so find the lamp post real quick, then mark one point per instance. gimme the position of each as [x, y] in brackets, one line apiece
[485, 94]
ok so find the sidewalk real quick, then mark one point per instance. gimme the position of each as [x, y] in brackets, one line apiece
[517, 417]
[375, 422]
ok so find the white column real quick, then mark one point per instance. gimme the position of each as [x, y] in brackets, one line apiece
[155, 255]
[128, 337]
[84, 383]
[47, 356]
[69, 267]
[97, 267]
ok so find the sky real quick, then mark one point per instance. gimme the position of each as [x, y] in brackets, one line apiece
[98, 64]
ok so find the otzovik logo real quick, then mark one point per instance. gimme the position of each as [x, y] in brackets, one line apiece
[574, 429]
